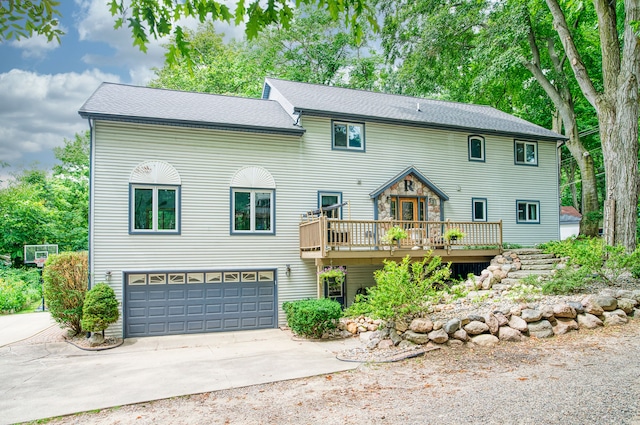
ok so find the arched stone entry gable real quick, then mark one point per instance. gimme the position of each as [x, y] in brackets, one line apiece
[409, 189]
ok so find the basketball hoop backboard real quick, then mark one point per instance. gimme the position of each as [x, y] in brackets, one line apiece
[40, 261]
[34, 254]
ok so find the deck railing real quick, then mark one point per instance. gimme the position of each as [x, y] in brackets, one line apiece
[325, 234]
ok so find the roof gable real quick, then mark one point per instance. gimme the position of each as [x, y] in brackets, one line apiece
[329, 101]
[404, 173]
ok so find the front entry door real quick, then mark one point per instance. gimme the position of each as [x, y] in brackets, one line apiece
[409, 209]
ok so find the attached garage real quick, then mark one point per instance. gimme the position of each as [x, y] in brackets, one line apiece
[184, 302]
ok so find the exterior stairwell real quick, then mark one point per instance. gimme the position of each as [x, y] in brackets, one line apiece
[534, 262]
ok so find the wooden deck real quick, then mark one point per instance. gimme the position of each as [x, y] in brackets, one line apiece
[352, 242]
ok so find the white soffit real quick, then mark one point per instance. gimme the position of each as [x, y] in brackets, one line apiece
[253, 177]
[155, 172]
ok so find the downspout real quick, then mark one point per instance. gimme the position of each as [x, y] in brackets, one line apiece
[91, 197]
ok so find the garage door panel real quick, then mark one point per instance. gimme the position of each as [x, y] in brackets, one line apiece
[199, 307]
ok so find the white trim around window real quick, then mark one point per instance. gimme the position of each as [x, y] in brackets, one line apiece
[154, 209]
[347, 136]
[476, 148]
[253, 211]
[528, 212]
[479, 209]
[525, 152]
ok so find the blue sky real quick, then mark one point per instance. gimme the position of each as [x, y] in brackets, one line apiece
[42, 85]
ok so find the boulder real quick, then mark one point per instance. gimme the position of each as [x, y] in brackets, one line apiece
[518, 324]
[416, 338]
[476, 327]
[439, 336]
[636, 294]
[541, 329]
[455, 343]
[395, 337]
[461, 335]
[492, 322]
[476, 317]
[352, 327]
[507, 333]
[615, 318]
[385, 344]
[485, 340]
[502, 319]
[623, 293]
[531, 315]
[452, 325]
[588, 321]
[608, 303]
[421, 325]
[564, 326]
[96, 339]
[564, 311]
[626, 305]
[547, 311]
[577, 306]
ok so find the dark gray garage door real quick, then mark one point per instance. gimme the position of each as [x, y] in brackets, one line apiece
[201, 301]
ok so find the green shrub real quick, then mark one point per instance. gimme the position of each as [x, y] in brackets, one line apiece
[100, 308]
[311, 318]
[19, 289]
[405, 287]
[360, 307]
[66, 276]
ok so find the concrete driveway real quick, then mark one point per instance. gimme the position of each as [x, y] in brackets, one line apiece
[51, 379]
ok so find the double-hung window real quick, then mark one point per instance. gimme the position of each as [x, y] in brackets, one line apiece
[253, 211]
[528, 211]
[476, 148]
[155, 209]
[348, 136]
[526, 153]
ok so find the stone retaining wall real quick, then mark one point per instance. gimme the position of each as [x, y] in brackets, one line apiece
[608, 308]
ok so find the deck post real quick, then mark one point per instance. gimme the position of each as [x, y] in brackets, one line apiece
[322, 228]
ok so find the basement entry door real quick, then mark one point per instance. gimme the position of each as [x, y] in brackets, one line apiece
[170, 303]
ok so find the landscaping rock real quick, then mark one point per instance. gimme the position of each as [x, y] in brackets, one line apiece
[401, 325]
[518, 324]
[591, 306]
[475, 317]
[564, 311]
[455, 343]
[438, 336]
[476, 327]
[385, 344]
[507, 333]
[541, 329]
[395, 337]
[588, 321]
[416, 338]
[578, 307]
[636, 295]
[608, 303]
[564, 326]
[421, 325]
[485, 340]
[96, 339]
[492, 322]
[626, 305]
[623, 293]
[615, 318]
[452, 325]
[461, 335]
[530, 315]
[352, 327]
[547, 311]
[502, 319]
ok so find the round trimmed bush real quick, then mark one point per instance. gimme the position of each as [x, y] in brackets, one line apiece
[100, 308]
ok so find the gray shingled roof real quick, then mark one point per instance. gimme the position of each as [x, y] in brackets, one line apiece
[168, 107]
[338, 102]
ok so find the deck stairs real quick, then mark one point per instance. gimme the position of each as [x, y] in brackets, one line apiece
[534, 262]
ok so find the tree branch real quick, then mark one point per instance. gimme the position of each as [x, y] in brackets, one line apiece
[579, 69]
[609, 43]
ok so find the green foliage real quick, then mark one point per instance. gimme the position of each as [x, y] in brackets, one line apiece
[311, 318]
[454, 234]
[336, 273]
[359, 307]
[100, 308]
[24, 19]
[19, 289]
[394, 234]
[66, 276]
[403, 288]
[527, 291]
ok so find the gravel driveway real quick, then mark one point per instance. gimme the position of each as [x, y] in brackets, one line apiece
[585, 377]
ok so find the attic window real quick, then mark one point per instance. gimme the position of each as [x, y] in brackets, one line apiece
[348, 136]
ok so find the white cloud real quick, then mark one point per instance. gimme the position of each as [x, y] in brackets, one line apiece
[37, 46]
[37, 112]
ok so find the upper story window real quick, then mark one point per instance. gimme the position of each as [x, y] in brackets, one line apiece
[253, 201]
[479, 206]
[528, 211]
[526, 153]
[476, 148]
[349, 136]
[154, 198]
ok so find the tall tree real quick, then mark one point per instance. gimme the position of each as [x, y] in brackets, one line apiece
[617, 106]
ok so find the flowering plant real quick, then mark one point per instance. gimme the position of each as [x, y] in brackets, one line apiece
[336, 273]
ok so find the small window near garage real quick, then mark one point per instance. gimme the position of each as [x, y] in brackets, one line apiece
[476, 148]
[253, 201]
[328, 199]
[528, 212]
[479, 206]
[526, 153]
[348, 136]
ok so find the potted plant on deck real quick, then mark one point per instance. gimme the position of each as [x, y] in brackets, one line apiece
[393, 235]
[453, 234]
